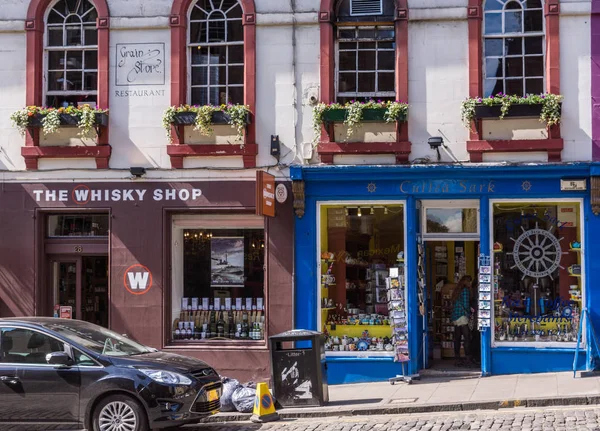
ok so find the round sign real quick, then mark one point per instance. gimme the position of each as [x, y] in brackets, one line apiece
[537, 253]
[281, 193]
[137, 279]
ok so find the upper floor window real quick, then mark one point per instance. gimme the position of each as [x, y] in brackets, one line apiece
[71, 54]
[365, 54]
[514, 47]
[216, 47]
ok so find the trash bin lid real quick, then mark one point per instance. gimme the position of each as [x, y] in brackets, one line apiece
[296, 334]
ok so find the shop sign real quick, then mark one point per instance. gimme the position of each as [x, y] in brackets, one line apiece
[83, 194]
[265, 194]
[448, 186]
[66, 312]
[137, 279]
[573, 185]
[281, 193]
[140, 64]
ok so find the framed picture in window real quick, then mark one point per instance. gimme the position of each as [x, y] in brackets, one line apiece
[227, 261]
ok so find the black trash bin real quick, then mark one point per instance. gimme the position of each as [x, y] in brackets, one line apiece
[298, 368]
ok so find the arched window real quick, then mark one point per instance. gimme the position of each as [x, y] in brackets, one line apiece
[514, 47]
[216, 53]
[71, 54]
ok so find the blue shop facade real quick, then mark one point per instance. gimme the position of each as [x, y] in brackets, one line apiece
[361, 231]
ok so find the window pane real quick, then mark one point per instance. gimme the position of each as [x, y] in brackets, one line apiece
[514, 45]
[91, 36]
[534, 45]
[513, 22]
[77, 225]
[534, 86]
[493, 5]
[386, 60]
[56, 60]
[347, 82]
[347, 60]
[514, 66]
[73, 36]
[386, 34]
[27, 346]
[513, 5]
[236, 74]
[216, 31]
[366, 33]
[75, 60]
[235, 31]
[535, 300]
[534, 21]
[74, 81]
[493, 47]
[199, 55]
[386, 45]
[236, 94]
[348, 45]
[197, 13]
[199, 96]
[367, 45]
[366, 60]
[514, 87]
[55, 81]
[55, 18]
[493, 23]
[91, 60]
[493, 87]
[347, 33]
[366, 82]
[534, 4]
[90, 80]
[235, 12]
[385, 81]
[451, 220]
[199, 75]
[198, 32]
[55, 36]
[218, 55]
[534, 66]
[236, 54]
[493, 68]
[217, 75]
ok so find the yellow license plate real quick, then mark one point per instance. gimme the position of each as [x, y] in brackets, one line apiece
[213, 395]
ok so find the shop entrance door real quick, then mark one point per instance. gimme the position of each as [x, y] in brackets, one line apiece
[81, 282]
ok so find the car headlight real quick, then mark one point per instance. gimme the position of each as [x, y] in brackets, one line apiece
[167, 377]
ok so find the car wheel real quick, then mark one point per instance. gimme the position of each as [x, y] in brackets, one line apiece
[119, 413]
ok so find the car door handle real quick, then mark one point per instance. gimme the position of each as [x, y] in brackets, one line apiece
[11, 380]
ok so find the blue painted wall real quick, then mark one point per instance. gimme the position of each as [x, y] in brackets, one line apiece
[411, 183]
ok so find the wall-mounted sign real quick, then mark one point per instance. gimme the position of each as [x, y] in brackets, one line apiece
[66, 312]
[265, 194]
[137, 279]
[573, 185]
[281, 193]
[140, 64]
[82, 194]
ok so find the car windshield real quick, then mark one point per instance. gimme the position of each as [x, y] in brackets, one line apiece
[99, 340]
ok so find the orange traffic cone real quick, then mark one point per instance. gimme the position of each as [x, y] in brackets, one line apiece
[264, 409]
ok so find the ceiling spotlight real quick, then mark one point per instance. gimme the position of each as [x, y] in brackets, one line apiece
[359, 213]
[522, 213]
[372, 210]
[346, 210]
[385, 210]
[535, 212]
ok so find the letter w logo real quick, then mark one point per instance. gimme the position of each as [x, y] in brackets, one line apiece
[138, 280]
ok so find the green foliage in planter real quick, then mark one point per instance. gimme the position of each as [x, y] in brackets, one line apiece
[551, 106]
[51, 118]
[203, 124]
[394, 111]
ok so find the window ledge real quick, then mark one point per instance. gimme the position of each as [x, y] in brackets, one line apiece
[329, 149]
[178, 152]
[554, 147]
[32, 154]
[217, 345]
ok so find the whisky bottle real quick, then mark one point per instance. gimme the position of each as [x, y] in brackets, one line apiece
[245, 326]
[221, 326]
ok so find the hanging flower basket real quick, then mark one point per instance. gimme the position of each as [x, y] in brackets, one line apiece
[520, 111]
[368, 115]
[51, 119]
[217, 117]
[69, 120]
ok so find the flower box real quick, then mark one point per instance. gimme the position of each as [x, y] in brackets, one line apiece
[370, 114]
[189, 118]
[68, 120]
[515, 111]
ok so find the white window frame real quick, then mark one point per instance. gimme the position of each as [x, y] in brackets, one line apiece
[362, 204]
[227, 64]
[524, 35]
[542, 344]
[80, 48]
[450, 204]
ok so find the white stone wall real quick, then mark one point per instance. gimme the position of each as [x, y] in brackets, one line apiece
[287, 76]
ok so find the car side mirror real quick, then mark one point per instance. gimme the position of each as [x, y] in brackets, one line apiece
[58, 358]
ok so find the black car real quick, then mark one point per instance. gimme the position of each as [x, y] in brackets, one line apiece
[70, 374]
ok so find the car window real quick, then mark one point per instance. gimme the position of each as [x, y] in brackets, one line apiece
[83, 359]
[25, 346]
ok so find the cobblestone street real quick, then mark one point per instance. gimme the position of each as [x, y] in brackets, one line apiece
[558, 419]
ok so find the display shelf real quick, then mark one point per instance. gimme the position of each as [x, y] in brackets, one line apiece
[357, 330]
[576, 250]
[575, 275]
[360, 354]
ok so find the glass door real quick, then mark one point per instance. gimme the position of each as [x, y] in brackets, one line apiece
[66, 277]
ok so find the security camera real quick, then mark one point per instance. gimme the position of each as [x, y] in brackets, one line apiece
[435, 142]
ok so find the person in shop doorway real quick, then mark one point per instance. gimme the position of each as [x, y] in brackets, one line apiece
[461, 311]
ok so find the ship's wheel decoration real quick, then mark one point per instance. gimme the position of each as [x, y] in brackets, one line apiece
[537, 253]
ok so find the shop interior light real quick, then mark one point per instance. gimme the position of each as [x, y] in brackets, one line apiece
[522, 212]
[385, 210]
[359, 213]
[346, 210]
[535, 212]
[372, 210]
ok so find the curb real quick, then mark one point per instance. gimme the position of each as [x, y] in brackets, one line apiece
[425, 408]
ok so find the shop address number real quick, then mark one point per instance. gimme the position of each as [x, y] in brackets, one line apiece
[78, 249]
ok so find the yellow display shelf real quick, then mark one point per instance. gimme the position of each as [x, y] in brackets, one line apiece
[575, 275]
[577, 250]
[357, 330]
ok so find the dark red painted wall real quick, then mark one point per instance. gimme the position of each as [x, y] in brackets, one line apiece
[140, 234]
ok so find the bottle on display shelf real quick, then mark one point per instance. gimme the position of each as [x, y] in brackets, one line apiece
[212, 325]
[221, 326]
[245, 327]
[231, 326]
[177, 334]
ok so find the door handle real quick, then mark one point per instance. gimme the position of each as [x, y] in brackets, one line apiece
[11, 380]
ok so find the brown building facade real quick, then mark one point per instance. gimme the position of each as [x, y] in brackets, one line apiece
[181, 266]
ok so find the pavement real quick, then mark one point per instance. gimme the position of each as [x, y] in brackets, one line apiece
[448, 392]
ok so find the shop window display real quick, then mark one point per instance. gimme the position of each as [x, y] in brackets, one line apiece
[537, 271]
[219, 294]
[359, 245]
